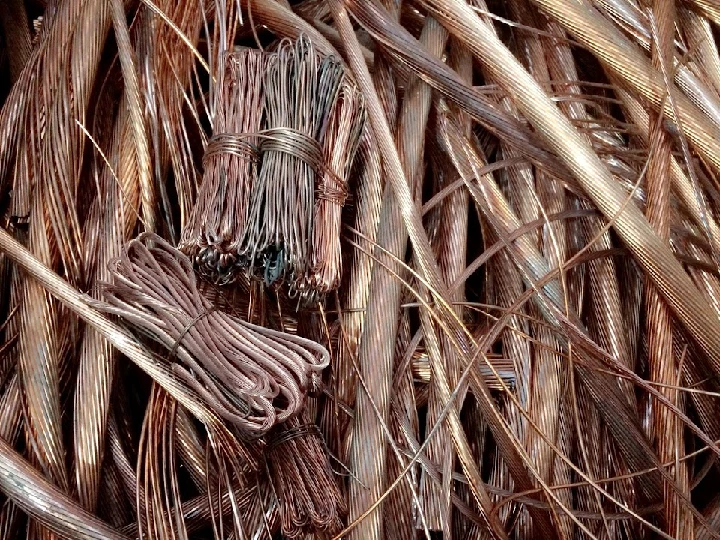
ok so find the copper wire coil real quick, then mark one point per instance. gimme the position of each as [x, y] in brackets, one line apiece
[252, 376]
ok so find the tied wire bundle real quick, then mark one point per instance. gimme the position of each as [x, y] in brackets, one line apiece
[341, 141]
[300, 471]
[286, 133]
[218, 220]
[252, 376]
[300, 89]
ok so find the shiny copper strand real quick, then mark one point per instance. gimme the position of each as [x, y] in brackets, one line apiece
[544, 196]
[376, 352]
[606, 318]
[196, 512]
[451, 244]
[304, 481]
[368, 196]
[412, 125]
[113, 216]
[157, 470]
[507, 286]
[251, 376]
[665, 429]
[54, 229]
[562, 70]
[400, 521]
[218, 222]
[166, 70]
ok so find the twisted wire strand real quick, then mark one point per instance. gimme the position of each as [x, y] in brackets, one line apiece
[300, 471]
[251, 376]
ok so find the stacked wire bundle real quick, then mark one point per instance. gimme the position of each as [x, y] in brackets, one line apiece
[275, 178]
[213, 232]
[300, 471]
[251, 376]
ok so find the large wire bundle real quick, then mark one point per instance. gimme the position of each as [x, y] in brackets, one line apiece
[287, 127]
[514, 285]
[252, 376]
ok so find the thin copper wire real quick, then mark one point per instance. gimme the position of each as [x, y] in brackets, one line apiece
[291, 122]
[219, 218]
[301, 90]
[341, 141]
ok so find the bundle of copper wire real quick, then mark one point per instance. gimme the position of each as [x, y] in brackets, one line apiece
[252, 376]
[521, 306]
[340, 143]
[286, 133]
[304, 482]
[215, 229]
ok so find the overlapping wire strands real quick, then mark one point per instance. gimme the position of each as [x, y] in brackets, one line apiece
[352, 269]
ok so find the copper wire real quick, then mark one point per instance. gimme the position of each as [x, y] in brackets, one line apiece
[299, 90]
[342, 139]
[219, 216]
[251, 376]
[299, 466]
[276, 170]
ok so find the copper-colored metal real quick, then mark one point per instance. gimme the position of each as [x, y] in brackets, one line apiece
[219, 218]
[253, 377]
[287, 127]
[304, 481]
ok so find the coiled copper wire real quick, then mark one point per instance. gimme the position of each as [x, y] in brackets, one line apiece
[251, 376]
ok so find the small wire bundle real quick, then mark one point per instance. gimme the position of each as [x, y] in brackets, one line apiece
[299, 466]
[341, 141]
[251, 376]
[217, 224]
